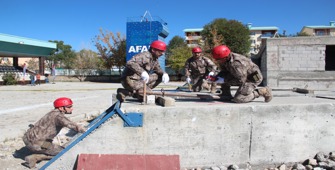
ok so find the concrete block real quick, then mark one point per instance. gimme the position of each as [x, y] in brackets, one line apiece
[165, 101]
[113, 98]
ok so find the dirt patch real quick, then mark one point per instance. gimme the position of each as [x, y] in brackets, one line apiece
[12, 153]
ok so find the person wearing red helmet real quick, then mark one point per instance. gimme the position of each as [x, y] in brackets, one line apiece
[38, 138]
[197, 68]
[143, 67]
[239, 70]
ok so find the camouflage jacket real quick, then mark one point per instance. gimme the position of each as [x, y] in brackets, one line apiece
[141, 62]
[199, 67]
[49, 126]
[240, 67]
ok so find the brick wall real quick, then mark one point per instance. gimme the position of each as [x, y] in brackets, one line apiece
[297, 62]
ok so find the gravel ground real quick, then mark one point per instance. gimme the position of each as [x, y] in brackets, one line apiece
[22, 105]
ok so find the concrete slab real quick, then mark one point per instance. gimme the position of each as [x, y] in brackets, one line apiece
[201, 132]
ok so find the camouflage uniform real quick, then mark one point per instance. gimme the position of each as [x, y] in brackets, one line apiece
[131, 75]
[38, 138]
[240, 71]
[197, 69]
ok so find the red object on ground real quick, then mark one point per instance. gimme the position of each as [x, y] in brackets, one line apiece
[127, 162]
[211, 78]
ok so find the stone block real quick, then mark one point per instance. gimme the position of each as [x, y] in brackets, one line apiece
[165, 101]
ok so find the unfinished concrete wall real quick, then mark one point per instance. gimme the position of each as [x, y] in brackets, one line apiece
[212, 135]
[297, 62]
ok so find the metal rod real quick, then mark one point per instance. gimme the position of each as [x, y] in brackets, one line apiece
[325, 97]
[194, 95]
[145, 92]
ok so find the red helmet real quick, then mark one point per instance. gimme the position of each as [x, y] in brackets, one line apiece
[220, 52]
[160, 45]
[63, 101]
[196, 50]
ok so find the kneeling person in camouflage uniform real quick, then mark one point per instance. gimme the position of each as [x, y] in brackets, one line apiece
[38, 138]
[143, 67]
[197, 68]
[238, 70]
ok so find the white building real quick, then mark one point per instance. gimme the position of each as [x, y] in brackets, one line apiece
[320, 30]
[193, 36]
[257, 34]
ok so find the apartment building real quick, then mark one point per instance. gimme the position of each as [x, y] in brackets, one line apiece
[193, 36]
[257, 34]
[320, 30]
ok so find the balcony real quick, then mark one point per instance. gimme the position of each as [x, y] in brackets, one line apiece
[193, 37]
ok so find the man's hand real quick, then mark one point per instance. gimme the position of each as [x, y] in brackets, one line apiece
[145, 76]
[165, 78]
[211, 78]
[81, 129]
[188, 80]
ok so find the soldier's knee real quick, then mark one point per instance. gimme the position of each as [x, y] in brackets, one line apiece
[237, 100]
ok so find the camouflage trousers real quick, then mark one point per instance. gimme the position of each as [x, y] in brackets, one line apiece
[42, 146]
[199, 83]
[245, 93]
[137, 84]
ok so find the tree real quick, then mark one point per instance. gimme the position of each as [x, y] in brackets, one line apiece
[112, 48]
[10, 78]
[176, 54]
[118, 56]
[86, 62]
[215, 40]
[175, 42]
[178, 57]
[5, 62]
[63, 55]
[33, 64]
[283, 35]
[234, 34]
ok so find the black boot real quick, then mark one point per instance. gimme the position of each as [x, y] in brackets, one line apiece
[226, 93]
[122, 94]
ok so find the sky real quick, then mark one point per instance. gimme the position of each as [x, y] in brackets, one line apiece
[77, 22]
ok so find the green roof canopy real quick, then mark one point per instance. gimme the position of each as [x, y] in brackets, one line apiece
[263, 28]
[14, 46]
[193, 30]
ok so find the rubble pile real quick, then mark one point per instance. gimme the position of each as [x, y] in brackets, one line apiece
[320, 161]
